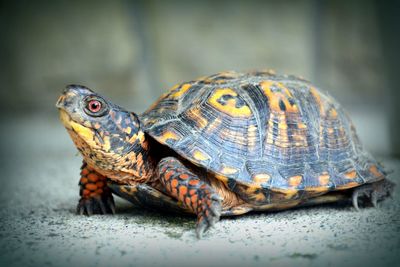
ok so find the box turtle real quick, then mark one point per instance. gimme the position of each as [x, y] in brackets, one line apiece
[221, 145]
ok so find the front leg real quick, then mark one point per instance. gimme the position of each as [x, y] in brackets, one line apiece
[194, 193]
[96, 197]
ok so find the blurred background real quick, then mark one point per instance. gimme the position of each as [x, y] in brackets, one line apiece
[132, 51]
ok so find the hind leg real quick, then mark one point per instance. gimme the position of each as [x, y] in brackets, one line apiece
[372, 193]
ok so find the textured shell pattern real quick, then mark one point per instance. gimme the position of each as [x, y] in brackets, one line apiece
[262, 130]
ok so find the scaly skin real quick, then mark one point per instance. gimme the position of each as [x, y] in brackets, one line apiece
[96, 197]
[193, 192]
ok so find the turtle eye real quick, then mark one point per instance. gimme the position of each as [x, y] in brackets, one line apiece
[95, 106]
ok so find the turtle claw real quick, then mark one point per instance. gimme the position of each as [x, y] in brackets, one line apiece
[101, 204]
[209, 213]
[374, 199]
[355, 200]
[373, 193]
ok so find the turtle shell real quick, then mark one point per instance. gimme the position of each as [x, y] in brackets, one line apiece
[258, 131]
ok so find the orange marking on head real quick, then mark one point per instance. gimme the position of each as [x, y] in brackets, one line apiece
[295, 180]
[351, 174]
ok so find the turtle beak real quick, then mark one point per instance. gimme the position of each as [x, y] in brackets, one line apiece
[68, 96]
[60, 101]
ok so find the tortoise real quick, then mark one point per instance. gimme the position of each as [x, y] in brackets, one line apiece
[221, 145]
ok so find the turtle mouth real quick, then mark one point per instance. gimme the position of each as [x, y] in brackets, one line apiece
[65, 119]
[85, 132]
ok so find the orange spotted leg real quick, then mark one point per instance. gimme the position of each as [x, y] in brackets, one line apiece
[96, 197]
[193, 192]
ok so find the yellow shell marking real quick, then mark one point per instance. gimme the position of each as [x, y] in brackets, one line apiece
[276, 97]
[228, 170]
[288, 193]
[333, 113]
[295, 180]
[181, 91]
[252, 136]
[199, 155]
[168, 135]
[196, 117]
[261, 178]
[128, 130]
[230, 106]
[350, 174]
[374, 170]
[324, 178]
[213, 125]
[348, 185]
[317, 99]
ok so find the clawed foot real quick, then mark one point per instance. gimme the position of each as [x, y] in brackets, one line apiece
[100, 204]
[372, 193]
[208, 213]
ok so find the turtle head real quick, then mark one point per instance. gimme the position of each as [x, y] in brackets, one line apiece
[108, 137]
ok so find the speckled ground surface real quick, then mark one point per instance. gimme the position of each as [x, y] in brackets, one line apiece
[39, 227]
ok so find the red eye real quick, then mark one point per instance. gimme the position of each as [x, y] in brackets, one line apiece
[94, 106]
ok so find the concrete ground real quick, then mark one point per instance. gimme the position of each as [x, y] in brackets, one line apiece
[39, 226]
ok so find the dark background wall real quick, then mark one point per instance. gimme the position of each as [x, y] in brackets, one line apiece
[132, 51]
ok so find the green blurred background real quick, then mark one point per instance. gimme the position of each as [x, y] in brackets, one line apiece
[132, 51]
